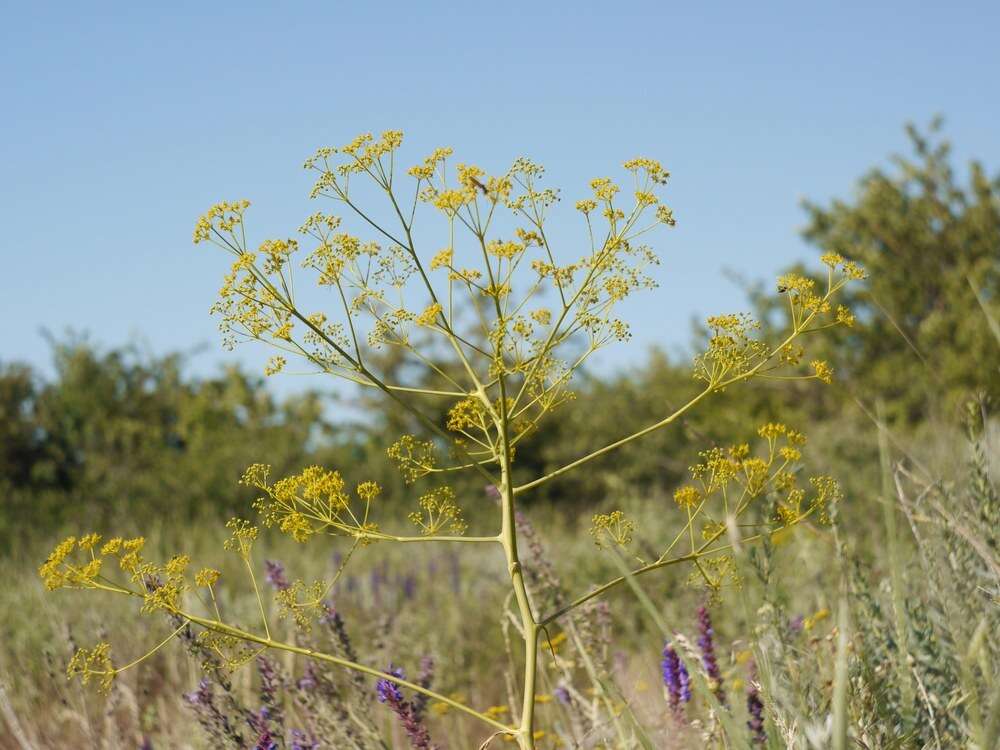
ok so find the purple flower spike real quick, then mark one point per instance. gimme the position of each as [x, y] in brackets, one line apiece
[309, 680]
[706, 642]
[387, 691]
[332, 618]
[265, 742]
[684, 679]
[755, 707]
[675, 679]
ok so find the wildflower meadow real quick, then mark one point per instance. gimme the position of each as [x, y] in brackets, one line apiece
[783, 534]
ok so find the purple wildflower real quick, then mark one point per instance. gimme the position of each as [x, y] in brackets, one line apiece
[409, 586]
[271, 684]
[706, 642]
[685, 681]
[260, 723]
[675, 679]
[309, 679]
[388, 691]
[202, 696]
[562, 695]
[265, 741]
[214, 721]
[755, 707]
[492, 492]
[276, 575]
[332, 618]
[542, 578]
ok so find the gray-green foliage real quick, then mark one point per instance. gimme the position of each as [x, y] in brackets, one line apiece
[924, 651]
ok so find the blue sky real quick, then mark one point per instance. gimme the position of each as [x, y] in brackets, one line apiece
[125, 122]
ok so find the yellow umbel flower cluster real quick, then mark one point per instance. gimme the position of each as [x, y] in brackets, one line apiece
[314, 501]
[94, 663]
[221, 220]
[612, 527]
[415, 458]
[438, 512]
[735, 352]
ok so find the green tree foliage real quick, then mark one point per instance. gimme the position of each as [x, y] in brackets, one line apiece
[120, 430]
[930, 236]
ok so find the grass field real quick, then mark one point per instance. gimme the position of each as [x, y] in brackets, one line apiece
[881, 630]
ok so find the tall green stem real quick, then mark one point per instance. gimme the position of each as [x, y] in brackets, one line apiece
[529, 626]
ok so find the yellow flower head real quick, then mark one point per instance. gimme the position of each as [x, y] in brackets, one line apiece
[368, 491]
[275, 365]
[652, 168]
[450, 201]
[614, 527]
[604, 189]
[206, 577]
[89, 541]
[542, 316]
[822, 370]
[429, 315]
[687, 497]
[442, 259]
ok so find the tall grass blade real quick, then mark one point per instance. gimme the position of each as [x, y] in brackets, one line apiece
[840, 679]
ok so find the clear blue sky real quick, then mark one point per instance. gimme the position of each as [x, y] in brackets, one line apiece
[125, 121]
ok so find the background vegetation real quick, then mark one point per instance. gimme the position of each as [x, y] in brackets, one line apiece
[910, 574]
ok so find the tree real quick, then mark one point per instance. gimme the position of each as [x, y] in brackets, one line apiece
[120, 430]
[931, 242]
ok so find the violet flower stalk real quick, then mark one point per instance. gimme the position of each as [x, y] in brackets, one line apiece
[265, 741]
[332, 618]
[388, 692]
[213, 720]
[706, 642]
[309, 679]
[541, 573]
[676, 679]
[270, 688]
[755, 707]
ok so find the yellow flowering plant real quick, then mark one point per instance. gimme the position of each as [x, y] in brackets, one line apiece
[534, 319]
